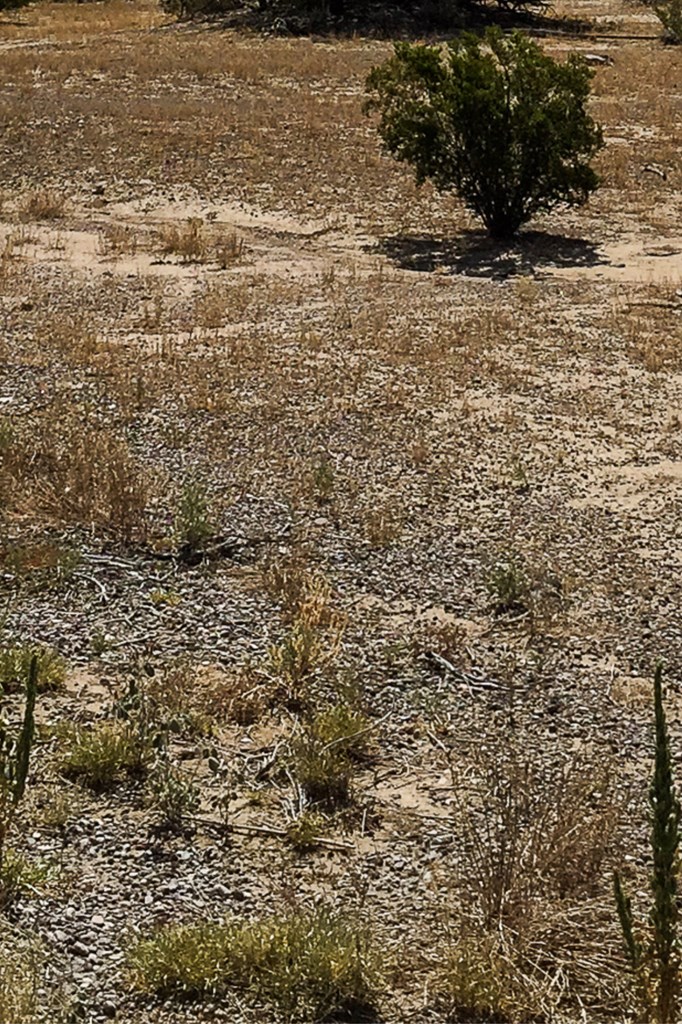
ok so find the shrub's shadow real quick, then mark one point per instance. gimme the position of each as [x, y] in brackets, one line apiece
[474, 254]
[436, 20]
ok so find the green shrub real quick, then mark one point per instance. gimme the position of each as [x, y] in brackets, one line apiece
[19, 875]
[173, 793]
[305, 831]
[508, 586]
[495, 120]
[308, 964]
[669, 14]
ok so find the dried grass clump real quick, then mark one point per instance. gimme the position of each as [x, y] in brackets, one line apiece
[118, 240]
[60, 467]
[383, 524]
[301, 591]
[7, 256]
[194, 242]
[73, 337]
[534, 830]
[188, 241]
[555, 963]
[239, 694]
[538, 930]
[28, 993]
[178, 696]
[228, 248]
[43, 204]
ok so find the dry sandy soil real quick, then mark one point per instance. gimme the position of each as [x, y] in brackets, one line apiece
[214, 287]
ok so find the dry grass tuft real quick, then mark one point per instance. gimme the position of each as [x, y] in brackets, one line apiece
[24, 997]
[536, 917]
[196, 242]
[188, 241]
[64, 468]
[239, 695]
[118, 240]
[43, 204]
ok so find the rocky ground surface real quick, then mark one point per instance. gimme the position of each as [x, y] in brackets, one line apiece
[356, 386]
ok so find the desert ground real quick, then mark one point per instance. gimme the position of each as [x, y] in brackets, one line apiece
[349, 541]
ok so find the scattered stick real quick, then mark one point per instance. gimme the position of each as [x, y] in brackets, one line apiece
[268, 830]
[472, 681]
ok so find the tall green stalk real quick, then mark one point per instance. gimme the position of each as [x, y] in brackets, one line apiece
[15, 755]
[656, 965]
[665, 823]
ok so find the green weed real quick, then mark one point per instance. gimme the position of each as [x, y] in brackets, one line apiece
[193, 525]
[173, 793]
[309, 964]
[15, 663]
[102, 754]
[322, 753]
[305, 831]
[508, 586]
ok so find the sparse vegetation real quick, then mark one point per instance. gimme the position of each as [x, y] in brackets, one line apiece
[355, 528]
[100, 756]
[194, 242]
[15, 666]
[72, 470]
[534, 829]
[299, 654]
[19, 876]
[27, 991]
[309, 964]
